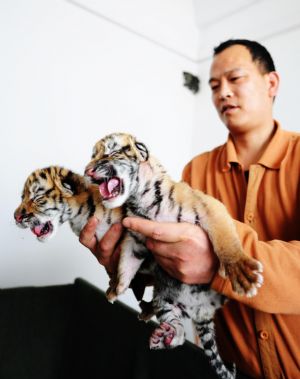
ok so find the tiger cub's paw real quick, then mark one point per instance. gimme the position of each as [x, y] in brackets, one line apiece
[117, 286]
[111, 292]
[245, 275]
[123, 284]
[167, 336]
[147, 310]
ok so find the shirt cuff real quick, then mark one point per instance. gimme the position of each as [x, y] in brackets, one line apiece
[219, 284]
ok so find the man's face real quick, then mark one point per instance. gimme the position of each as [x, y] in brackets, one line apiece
[240, 91]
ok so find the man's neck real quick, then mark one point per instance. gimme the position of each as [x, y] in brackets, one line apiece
[251, 145]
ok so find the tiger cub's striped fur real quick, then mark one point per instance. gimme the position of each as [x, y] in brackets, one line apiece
[127, 174]
[54, 195]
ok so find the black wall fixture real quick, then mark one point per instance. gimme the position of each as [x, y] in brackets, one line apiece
[191, 81]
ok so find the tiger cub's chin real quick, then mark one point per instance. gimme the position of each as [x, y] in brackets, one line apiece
[45, 238]
[45, 231]
[115, 202]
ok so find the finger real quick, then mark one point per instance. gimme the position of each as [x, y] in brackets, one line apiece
[113, 261]
[87, 236]
[161, 249]
[167, 265]
[162, 231]
[110, 239]
[106, 250]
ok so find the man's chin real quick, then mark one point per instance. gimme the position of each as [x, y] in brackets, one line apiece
[234, 125]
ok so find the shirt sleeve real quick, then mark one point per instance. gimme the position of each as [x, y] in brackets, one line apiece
[281, 264]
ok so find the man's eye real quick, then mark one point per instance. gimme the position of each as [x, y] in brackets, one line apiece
[235, 78]
[214, 87]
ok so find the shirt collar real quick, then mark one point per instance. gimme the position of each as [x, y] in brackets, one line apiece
[271, 158]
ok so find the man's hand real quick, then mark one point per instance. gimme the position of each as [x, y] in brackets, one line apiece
[107, 253]
[183, 250]
[105, 250]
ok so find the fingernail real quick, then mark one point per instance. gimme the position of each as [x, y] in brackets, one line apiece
[93, 220]
[126, 222]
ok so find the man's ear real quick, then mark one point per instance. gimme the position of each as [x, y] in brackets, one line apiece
[273, 81]
[143, 151]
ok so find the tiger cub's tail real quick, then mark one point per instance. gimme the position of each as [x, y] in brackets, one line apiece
[206, 332]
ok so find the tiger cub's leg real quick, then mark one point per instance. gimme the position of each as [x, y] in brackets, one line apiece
[170, 332]
[168, 310]
[206, 332]
[132, 255]
[244, 272]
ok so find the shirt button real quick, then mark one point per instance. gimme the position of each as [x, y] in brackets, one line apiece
[250, 216]
[263, 335]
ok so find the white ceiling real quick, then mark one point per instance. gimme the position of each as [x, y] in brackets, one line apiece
[260, 20]
[190, 28]
[213, 11]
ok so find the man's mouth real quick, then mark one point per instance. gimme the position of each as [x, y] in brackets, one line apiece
[110, 188]
[228, 108]
[42, 230]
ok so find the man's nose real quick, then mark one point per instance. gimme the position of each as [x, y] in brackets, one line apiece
[225, 91]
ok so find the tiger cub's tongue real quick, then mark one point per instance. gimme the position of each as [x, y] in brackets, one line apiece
[107, 187]
[37, 230]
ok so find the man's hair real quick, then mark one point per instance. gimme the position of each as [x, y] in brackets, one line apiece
[259, 53]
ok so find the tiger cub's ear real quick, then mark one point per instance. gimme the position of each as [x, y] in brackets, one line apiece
[70, 184]
[142, 150]
[98, 150]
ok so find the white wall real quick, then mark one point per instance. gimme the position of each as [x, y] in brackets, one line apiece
[68, 77]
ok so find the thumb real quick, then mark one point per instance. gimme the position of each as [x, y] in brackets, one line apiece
[160, 231]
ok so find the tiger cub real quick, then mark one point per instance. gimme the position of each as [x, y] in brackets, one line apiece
[54, 195]
[127, 174]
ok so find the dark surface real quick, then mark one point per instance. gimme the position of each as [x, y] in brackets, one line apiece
[71, 331]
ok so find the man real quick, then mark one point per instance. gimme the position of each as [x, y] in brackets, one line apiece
[256, 174]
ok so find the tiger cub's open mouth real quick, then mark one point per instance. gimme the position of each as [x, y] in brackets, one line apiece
[43, 229]
[110, 188]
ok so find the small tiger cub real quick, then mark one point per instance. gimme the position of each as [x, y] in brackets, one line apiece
[54, 195]
[128, 175]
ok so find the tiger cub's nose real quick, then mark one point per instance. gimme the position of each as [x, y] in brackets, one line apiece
[89, 172]
[18, 217]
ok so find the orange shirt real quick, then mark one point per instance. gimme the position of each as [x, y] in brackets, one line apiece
[261, 334]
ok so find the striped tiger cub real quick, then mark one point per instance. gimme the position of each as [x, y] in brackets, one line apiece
[127, 174]
[54, 195]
